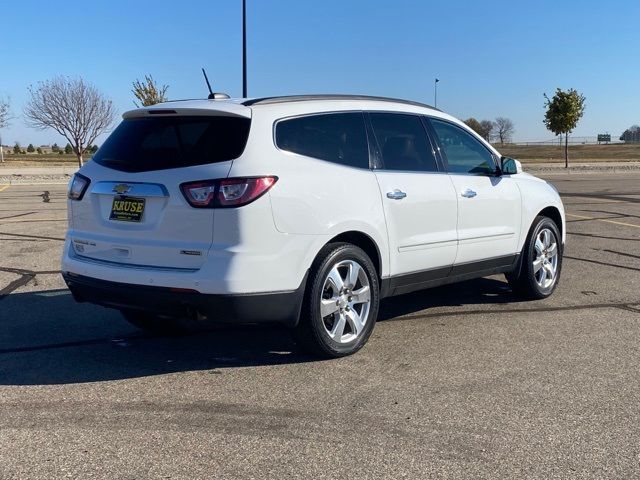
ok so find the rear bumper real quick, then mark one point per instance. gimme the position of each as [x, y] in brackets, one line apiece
[276, 307]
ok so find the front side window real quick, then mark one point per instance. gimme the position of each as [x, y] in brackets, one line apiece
[403, 142]
[463, 152]
[335, 137]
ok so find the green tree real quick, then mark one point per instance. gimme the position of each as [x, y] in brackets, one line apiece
[148, 92]
[68, 149]
[564, 111]
[55, 148]
[31, 148]
[483, 128]
[16, 149]
[39, 151]
[631, 134]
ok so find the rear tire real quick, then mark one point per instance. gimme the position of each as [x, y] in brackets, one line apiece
[341, 302]
[541, 261]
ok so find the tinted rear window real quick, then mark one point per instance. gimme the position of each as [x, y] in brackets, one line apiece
[335, 137]
[404, 143]
[143, 144]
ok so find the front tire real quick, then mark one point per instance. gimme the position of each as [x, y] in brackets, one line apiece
[541, 261]
[341, 302]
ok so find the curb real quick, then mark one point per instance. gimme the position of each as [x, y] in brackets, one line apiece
[582, 169]
[35, 180]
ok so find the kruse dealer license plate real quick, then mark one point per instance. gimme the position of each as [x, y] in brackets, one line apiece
[127, 209]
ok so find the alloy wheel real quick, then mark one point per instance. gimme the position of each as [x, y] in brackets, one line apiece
[345, 302]
[545, 263]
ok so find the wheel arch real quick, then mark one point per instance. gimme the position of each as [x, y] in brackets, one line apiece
[554, 214]
[354, 237]
[365, 242]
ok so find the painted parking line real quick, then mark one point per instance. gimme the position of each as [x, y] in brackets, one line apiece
[4, 187]
[603, 220]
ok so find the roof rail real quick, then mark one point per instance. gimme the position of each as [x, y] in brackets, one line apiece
[307, 98]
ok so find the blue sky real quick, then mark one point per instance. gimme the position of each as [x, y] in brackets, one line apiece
[493, 58]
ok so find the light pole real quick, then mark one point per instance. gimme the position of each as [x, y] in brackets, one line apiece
[244, 48]
[435, 93]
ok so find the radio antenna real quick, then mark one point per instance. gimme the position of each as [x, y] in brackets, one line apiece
[206, 79]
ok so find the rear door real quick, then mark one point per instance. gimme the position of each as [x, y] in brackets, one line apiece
[133, 212]
[419, 200]
[489, 205]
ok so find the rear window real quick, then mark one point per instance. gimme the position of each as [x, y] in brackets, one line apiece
[335, 137]
[143, 144]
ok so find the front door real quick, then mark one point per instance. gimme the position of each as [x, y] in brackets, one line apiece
[419, 200]
[489, 205]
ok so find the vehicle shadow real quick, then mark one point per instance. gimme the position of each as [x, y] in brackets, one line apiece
[46, 338]
[482, 291]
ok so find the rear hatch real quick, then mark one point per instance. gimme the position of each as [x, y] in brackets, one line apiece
[133, 212]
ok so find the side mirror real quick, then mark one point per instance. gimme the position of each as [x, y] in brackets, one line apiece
[510, 166]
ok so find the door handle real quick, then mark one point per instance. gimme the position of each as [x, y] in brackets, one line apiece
[468, 193]
[396, 195]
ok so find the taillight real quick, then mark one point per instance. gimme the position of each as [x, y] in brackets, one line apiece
[77, 186]
[225, 193]
[199, 194]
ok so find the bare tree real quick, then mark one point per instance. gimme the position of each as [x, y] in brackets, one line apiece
[486, 128]
[504, 129]
[73, 108]
[148, 92]
[5, 116]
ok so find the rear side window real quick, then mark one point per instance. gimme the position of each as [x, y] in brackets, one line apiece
[403, 142]
[464, 153]
[158, 143]
[334, 137]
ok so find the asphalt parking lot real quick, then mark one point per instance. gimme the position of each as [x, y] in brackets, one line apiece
[456, 382]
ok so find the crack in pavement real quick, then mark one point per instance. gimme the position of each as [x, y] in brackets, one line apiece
[619, 215]
[25, 276]
[18, 215]
[605, 196]
[22, 235]
[592, 235]
[618, 253]
[602, 263]
[594, 306]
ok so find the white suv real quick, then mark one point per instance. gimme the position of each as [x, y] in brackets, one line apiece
[303, 210]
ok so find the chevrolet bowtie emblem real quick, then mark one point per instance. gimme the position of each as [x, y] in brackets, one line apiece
[122, 188]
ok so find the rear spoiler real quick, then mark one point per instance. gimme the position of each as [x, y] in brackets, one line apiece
[217, 109]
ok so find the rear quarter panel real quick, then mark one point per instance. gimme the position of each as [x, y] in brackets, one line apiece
[313, 197]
